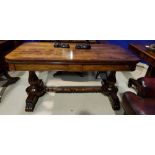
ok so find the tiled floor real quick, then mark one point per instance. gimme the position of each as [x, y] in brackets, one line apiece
[13, 101]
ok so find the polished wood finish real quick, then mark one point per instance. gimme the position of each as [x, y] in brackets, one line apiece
[38, 89]
[146, 55]
[75, 89]
[42, 56]
[71, 68]
[34, 91]
[45, 55]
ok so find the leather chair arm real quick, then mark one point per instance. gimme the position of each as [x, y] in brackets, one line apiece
[147, 87]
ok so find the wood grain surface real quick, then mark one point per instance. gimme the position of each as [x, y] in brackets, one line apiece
[43, 56]
[143, 53]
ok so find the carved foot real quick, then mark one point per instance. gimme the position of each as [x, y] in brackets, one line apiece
[111, 92]
[31, 102]
[34, 91]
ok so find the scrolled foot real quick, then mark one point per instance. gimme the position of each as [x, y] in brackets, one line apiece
[31, 102]
[29, 107]
[34, 91]
[116, 107]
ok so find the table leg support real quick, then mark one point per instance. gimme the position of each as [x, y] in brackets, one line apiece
[9, 81]
[34, 91]
[109, 89]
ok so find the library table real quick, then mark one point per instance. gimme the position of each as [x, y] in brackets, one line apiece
[42, 56]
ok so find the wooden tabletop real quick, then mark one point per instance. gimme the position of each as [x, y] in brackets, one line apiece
[143, 53]
[44, 52]
[42, 56]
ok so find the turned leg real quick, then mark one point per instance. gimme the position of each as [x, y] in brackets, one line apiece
[34, 91]
[109, 89]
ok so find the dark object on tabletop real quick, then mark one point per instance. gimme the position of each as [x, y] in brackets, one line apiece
[83, 45]
[144, 102]
[146, 55]
[61, 45]
[151, 47]
[79, 43]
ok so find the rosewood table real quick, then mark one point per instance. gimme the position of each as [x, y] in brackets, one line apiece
[145, 55]
[42, 56]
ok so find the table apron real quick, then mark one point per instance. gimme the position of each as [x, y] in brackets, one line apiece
[46, 67]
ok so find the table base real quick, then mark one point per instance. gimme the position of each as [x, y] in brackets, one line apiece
[38, 89]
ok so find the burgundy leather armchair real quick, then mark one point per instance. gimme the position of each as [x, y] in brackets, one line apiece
[144, 102]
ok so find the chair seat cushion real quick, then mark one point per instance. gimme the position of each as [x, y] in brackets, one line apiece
[134, 104]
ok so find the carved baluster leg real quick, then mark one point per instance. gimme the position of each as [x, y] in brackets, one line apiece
[34, 91]
[109, 89]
